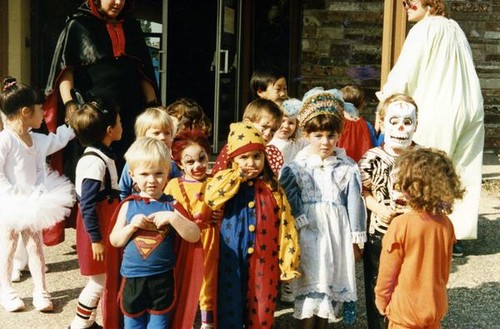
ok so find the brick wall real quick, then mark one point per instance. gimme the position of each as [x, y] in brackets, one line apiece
[342, 40]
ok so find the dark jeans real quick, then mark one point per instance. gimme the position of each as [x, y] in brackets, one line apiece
[371, 260]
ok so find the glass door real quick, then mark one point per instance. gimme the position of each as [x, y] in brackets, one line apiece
[226, 66]
[202, 45]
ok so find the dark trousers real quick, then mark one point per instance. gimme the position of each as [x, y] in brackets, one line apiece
[371, 260]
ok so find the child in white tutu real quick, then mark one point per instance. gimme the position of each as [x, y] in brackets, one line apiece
[31, 196]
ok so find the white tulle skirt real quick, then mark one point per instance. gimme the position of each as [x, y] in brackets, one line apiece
[41, 207]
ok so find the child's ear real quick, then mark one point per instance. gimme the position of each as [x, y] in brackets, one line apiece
[261, 93]
[26, 111]
[131, 174]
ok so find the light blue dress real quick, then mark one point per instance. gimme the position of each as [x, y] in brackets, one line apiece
[325, 196]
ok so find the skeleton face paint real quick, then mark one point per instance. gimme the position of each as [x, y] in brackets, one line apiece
[400, 123]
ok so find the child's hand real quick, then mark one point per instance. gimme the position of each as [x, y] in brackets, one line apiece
[385, 213]
[162, 218]
[140, 221]
[98, 251]
[216, 217]
[358, 254]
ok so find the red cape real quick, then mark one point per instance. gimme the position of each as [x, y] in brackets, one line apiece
[188, 274]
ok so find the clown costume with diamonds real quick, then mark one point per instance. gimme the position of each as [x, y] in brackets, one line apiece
[258, 239]
[398, 114]
[324, 189]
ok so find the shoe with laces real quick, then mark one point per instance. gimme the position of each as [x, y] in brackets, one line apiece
[11, 302]
[42, 301]
[286, 293]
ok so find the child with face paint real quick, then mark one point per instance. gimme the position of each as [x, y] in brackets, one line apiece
[398, 115]
[191, 150]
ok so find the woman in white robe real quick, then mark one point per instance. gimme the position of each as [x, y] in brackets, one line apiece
[436, 68]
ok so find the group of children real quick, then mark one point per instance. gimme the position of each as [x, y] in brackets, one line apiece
[283, 205]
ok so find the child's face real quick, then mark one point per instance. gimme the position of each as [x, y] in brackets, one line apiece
[287, 128]
[400, 122]
[194, 162]
[323, 143]
[251, 163]
[164, 135]
[276, 92]
[36, 116]
[267, 126]
[116, 131]
[150, 179]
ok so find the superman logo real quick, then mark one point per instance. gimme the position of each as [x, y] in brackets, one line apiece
[146, 241]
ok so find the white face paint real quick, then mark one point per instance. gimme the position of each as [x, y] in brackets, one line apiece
[400, 123]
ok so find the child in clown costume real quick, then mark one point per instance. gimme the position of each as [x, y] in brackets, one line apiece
[190, 151]
[258, 243]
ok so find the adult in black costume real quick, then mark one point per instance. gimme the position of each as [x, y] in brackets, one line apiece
[101, 53]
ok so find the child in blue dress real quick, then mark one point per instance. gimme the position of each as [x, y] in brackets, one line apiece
[324, 189]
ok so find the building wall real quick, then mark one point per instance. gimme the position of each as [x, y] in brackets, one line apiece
[19, 54]
[341, 44]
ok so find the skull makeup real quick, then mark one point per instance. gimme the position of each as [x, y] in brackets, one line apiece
[400, 123]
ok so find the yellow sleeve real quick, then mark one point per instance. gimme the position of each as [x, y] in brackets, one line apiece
[289, 253]
[223, 186]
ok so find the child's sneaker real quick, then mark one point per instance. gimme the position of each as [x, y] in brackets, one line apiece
[287, 293]
[11, 302]
[349, 313]
[16, 275]
[42, 301]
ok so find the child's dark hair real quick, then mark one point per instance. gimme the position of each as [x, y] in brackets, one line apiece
[186, 138]
[190, 115]
[428, 180]
[256, 108]
[262, 77]
[355, 95]
[91, 121]
[324, 122]
[15, 96]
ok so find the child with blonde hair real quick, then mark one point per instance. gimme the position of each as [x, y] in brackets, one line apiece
[147, 227]
[416, 253]
[32, 197]
[287, 138]
[154, 122]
